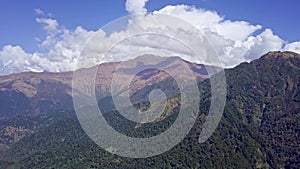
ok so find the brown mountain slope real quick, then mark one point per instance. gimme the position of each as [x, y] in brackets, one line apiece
[34, 93]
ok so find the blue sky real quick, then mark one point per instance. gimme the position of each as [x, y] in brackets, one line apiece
[18, 25]
[244, 30]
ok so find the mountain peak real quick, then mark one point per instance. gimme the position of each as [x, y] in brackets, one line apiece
[283, 54]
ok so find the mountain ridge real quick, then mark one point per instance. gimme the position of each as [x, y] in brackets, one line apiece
[33, 86]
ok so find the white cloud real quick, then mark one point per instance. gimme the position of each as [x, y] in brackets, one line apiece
[198, 17]
[14, 59]
[261, 44]
[234, 41]
[60, 49]
[50, 25]
[238, 30]
[39, 12]
[206, 20]
[136, 6]
[294, 47]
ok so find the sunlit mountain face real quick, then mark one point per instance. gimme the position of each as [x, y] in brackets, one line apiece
[31, 93]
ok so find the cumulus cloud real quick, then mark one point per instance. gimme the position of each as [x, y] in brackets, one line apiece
[136, 6]
[60, 49]
[295, 47]
[233, 41]
[206, 20]
[263, 43]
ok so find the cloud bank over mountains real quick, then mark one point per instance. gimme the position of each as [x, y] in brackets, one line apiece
[234, 41]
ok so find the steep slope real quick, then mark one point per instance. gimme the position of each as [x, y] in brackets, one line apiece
[265, 92]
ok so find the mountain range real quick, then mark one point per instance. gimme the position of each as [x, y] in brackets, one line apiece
[259, 129]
